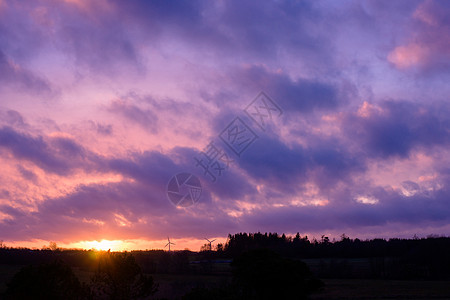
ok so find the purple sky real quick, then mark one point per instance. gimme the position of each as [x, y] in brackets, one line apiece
[102, 102]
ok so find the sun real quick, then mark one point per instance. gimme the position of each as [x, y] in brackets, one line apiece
[115, 245]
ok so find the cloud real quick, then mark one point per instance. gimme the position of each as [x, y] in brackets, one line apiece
[91, 212]
[13, 73]
[232, 26]
[102, 129]
[288, 169]
[428, 45]
[398, 127]
[393, 209]
[362, 142]
[92, 35]
[59, 155]
[12, 118]
[299, 95]
[147, 119]
[27, 174]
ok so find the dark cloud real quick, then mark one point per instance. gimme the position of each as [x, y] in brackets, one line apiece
[35, 149]
[12, 73]
[284, 23]
[101, 44]
[272, 160]
[98, 209]
[27, 174]
[293, 95]
[244, 29]
[68, 148]
[64, 156]
[228, 185]
[20, 37]
[152, 167]
[103, 129]
[15, 214]
[393, 208]
[91, 35]
[178, 13]
[400, 127]
[12, 118]
[288, 168]
[333, 162]
[57, 155]
[147, 119]
[105, 38]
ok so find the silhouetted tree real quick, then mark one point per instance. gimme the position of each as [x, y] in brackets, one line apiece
[263, 274]
[53, 246]
[219, 247]
[119, 277]
[204, 247]
[46, 281]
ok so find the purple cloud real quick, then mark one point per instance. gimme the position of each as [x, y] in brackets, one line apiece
[23, 78]
[147, 119]
[362, 143]
[400, 127]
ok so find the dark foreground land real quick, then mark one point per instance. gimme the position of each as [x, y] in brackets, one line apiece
[383, 289]
[248, 266]
[175, 286]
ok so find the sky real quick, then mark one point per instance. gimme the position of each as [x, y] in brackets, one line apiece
[317, 117]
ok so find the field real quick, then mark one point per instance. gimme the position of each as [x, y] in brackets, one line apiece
[173, 286]
[6, 273]
[383, 289]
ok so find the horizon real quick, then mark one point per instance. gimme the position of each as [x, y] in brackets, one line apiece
[125, 123]
[183, 244]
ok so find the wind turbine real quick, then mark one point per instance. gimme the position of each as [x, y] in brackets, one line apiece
[169, 243]
[210, 243]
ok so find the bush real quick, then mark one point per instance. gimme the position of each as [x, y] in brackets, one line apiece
[119, 277]
[263, 274]
[46, 281]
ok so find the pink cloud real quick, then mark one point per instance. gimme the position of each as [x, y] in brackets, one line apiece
[143, 87]
[429, 45]
[412, 55]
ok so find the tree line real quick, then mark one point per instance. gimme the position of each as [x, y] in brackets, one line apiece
[302, 247]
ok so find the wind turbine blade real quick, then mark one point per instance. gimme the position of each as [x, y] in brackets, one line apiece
[212, 240]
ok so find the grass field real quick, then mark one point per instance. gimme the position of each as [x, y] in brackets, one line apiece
[383, 289]
[6, 273]
[173, 286]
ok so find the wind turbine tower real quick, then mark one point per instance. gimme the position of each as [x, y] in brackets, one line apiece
[169, 243]
[210, 248]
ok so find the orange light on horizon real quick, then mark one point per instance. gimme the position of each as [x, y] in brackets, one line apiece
[115, 245]
[192, 244]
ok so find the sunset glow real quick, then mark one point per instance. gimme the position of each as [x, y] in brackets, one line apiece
[127, 123]
[103, 245]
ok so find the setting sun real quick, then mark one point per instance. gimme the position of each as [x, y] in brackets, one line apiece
[115, 245]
